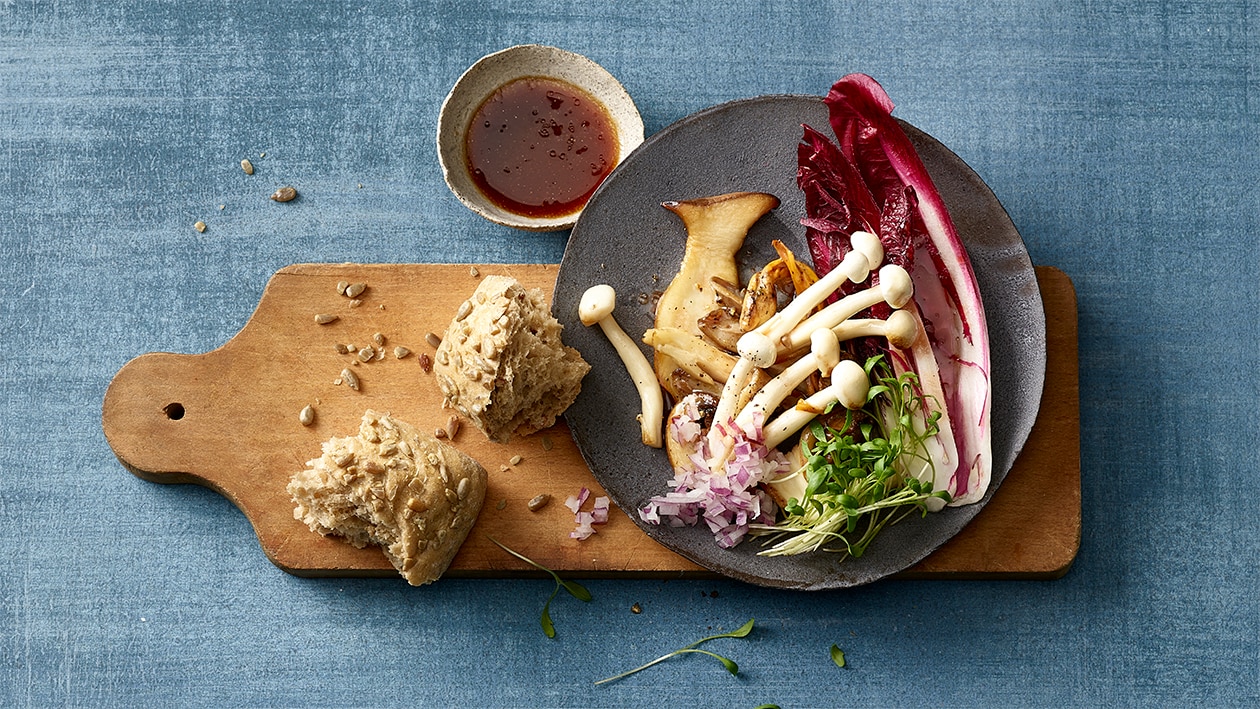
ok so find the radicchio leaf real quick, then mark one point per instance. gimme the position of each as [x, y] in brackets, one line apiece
[875, 164]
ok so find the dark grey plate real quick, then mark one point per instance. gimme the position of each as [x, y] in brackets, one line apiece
[624, 238]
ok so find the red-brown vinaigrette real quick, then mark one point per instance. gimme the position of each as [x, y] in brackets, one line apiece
[538, 147]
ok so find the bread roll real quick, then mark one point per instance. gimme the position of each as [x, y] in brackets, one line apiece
[502, 365]
[396, 487]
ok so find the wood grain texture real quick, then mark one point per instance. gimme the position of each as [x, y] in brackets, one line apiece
[228, 419]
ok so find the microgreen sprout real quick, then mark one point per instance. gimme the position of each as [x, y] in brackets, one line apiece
[857, 479]
[729, 664]
[575, 589]
[837, 656]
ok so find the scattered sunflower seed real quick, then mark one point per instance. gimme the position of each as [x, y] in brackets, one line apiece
[307, 417]
[539, 502]
[636, 609]
[341, 287]
[325, 318]
[502, 504]
[366, 354]
[247, 166]
[439, 433]
[546, 443]
[433, 339]
[452, 426]
[350, 379]
[379, 339]
[401, 352]
[426, 363]
[355, 289]
[356, 303]
[472, 271]
[516, 460]
[200, 227]
[284, 194]
[342, 349]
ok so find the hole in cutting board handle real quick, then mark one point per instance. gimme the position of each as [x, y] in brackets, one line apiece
[174, 411]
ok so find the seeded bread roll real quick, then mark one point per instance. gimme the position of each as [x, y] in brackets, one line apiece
[502, 365]
[393, 486]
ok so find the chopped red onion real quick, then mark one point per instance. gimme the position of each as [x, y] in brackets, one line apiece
[729, 499]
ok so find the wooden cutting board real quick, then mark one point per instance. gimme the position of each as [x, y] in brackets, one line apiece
[228, 419]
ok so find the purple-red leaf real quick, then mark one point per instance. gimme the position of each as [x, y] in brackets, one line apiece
[875, 164]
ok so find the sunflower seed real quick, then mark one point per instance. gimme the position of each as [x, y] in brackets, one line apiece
[350, 379]
[284, 194]
[539, 502]
[472, 271]
[464, 309]
[433, 339]
[356, 303]
[515, 460]
[307, 416]
[366, 354]
[354, 290]
[452, 496]
[379, 339]
[415, 504]
[325, 318]
[247, 166]
[341, 287]
[401, 352]
[452, 426]
[462, 488]
[502, 504]
[341, 348]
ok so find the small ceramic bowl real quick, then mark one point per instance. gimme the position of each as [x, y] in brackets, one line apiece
[496, 70]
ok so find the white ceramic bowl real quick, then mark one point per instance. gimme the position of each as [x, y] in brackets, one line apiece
[495, 70]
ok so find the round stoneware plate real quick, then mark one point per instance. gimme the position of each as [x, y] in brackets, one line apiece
[626, 239]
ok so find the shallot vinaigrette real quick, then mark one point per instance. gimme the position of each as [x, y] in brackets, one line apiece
[538, 147]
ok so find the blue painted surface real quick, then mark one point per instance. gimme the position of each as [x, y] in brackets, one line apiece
[1121, 136]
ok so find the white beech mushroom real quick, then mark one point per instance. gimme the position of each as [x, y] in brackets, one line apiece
[596, 307]
[849, 386]
[759, 348]
[824, 355]
[900, 329]
[894, 288]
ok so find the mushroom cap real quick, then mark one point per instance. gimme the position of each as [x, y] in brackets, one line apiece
[870, 246]
[849, 381]
[855, 266]
[597, 303]
[825, 347]
[896, 286]
[757, 348]
[901, 329]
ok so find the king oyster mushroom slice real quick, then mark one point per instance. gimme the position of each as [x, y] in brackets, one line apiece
[716, 228]
[678, 451]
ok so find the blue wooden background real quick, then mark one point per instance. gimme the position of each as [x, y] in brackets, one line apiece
[1121, 136]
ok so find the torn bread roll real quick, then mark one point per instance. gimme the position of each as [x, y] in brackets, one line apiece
[396, 487]
[502, 365]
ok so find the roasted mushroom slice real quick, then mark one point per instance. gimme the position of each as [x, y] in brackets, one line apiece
[716, 227]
